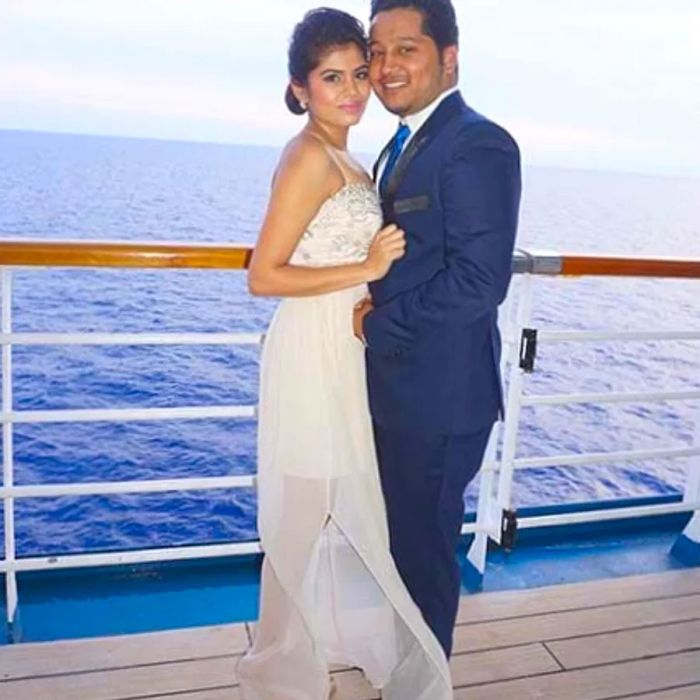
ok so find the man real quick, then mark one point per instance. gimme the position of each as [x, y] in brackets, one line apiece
[451, 179]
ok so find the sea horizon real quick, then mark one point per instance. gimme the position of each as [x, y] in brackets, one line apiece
[366, 154]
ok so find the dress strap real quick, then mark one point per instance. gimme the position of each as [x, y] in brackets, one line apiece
[335, 157]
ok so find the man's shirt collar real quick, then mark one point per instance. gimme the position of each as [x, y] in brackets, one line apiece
[416, 121]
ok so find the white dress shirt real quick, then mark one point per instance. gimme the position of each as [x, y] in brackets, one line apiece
[415, 122]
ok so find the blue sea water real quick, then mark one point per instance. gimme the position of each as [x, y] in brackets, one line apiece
[84, 187]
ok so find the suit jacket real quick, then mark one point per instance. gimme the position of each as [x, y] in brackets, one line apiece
[433, 345]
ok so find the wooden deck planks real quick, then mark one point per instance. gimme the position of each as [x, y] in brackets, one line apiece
[598, 683]
[132, 682]
[577, 596]
[551, 626]
[72, 656]
[502, 664]
[688, 692]
[213, 694]
[626, 645]
[623, 638]
[353, 686]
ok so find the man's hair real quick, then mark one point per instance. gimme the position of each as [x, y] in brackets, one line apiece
[439, 18]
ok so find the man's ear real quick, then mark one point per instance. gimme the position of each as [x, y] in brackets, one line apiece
[450, 61]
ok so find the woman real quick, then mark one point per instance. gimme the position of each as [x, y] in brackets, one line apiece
[330, 590]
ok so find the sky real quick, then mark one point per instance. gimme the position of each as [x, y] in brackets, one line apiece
[600, 84]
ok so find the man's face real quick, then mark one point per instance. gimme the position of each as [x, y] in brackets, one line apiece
[406, 69]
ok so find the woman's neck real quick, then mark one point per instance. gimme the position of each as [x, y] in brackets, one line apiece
[334, 136]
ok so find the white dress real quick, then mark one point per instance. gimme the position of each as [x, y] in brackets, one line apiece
[331, 593]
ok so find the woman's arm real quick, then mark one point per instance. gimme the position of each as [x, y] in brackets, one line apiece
[305, 179]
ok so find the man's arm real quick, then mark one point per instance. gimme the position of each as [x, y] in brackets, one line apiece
[480, 197]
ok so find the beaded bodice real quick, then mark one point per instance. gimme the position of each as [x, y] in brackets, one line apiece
[342, 229]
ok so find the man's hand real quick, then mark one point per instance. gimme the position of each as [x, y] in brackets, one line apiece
[362, 308]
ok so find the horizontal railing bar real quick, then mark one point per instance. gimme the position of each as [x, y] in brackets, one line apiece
[137, 556]
[599, 457]
[552, 336]
[143, 556]
[149, 254]
[130, 338]
[120, 415]
[536, 263]
[214, 338]
[615, 266]
[116, 487]
[42, 253]
[606, 514]
[628, 397]
[253, 547]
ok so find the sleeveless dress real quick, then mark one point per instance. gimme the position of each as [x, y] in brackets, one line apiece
[331, 593]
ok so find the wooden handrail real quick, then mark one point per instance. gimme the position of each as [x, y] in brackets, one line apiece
[606, 266]
[42, 253]
[46, 253]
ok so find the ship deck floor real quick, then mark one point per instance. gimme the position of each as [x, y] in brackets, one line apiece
[630, 637]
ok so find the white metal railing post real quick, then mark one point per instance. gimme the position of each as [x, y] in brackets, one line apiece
[8, 449]
[692, 484]
[687, 546]
[488, 518]
[514, 399]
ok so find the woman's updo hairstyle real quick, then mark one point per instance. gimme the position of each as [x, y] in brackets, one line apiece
[321, 31]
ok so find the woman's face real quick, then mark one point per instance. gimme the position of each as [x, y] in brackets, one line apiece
[338, 88]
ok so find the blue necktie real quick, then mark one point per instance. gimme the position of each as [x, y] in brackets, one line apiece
[395, 148]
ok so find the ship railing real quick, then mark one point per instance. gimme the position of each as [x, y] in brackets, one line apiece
[495, 517]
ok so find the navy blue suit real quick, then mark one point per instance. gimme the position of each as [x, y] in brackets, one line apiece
[433, 343]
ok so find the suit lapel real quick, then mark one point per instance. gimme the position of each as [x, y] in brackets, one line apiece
[416, 144]
[446, 110]
[382, 155]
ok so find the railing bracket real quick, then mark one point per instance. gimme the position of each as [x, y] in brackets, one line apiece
[528, 349]
[509, 529]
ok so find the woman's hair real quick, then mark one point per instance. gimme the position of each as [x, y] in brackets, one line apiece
[321, 31]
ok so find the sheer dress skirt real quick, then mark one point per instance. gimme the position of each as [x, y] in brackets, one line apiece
[330, 592]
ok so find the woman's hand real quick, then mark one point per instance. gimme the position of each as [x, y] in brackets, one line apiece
[388, 246]
[361, 309]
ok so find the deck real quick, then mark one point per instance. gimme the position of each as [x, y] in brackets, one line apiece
[635, 637]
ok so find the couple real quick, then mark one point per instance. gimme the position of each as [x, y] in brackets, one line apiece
[365, 452]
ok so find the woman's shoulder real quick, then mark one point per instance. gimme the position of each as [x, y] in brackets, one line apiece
[306, 152]
[306, 164]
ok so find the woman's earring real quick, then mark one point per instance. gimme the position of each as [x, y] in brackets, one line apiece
[304, 104]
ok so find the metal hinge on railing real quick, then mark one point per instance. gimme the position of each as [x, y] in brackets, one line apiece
[509, 529]
[528, 349]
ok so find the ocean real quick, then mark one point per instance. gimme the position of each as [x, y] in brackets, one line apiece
[85, 187]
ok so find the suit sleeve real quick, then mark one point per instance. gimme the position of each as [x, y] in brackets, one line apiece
[480, 197]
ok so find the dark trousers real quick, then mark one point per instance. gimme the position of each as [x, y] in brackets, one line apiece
[423, 479]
